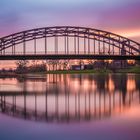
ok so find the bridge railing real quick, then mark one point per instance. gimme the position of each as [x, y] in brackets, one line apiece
[62, 53]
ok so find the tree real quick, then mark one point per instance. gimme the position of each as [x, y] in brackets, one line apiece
[65, 64]
[91, 62]
[22, 66]
[37, 67]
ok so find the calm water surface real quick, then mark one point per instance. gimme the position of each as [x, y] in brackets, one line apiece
[72, 107]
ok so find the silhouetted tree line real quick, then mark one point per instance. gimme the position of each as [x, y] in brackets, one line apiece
[24, 67]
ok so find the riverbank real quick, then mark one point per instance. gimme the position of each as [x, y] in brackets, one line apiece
[130, 70]
[135, 70]
[79, 71]
[15, 75]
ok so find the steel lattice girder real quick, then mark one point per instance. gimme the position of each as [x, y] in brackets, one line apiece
[82, 32]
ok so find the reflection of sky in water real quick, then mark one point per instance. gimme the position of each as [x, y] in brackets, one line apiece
[123, 127]
[108, 109]
[84, 90]
[73, 83]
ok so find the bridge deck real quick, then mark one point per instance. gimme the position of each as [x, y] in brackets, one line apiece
[67, 56]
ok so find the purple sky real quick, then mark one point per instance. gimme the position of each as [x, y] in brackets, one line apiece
[118, 16]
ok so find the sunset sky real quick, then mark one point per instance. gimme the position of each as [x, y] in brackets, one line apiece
[117, 16]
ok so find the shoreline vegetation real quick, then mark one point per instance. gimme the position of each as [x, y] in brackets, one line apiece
[134, 69]
[37, 69]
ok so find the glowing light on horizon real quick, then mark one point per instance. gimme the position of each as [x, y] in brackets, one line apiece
[128, 33]
[131, 61]
[131, 84]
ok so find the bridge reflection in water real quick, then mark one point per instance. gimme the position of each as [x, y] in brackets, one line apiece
[100, 99]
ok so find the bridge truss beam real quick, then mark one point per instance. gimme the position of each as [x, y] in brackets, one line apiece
[95, 44]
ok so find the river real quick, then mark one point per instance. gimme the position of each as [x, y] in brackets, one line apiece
[70, 106]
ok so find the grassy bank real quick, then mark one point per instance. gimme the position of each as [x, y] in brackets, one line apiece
[78, 71]
[15, 75]
[135, 69]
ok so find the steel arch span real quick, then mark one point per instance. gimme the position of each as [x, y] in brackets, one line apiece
[67, 42]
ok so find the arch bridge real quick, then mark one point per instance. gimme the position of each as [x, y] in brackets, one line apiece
[67, 42]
